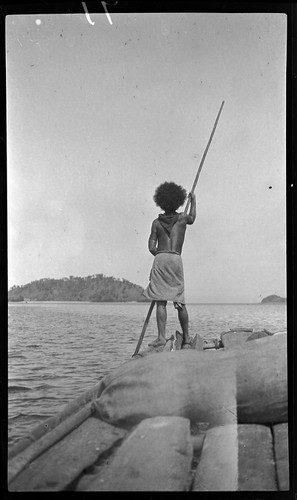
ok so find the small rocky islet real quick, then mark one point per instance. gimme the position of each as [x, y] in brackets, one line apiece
[273, 299]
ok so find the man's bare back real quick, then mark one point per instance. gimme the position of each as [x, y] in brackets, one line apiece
[161, 241]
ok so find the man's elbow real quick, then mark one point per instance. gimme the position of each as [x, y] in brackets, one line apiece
[152, 247]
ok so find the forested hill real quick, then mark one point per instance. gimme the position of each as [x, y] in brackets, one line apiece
[95, 288]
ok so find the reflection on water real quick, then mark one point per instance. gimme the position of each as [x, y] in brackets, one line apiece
[58, 350]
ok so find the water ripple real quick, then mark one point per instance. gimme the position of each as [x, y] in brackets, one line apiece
[18, 388]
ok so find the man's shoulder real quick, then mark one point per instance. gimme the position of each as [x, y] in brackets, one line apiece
[182, 217]
[155, 224]
[155, 221]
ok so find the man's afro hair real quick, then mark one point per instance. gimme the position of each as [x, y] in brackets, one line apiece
[169, 196]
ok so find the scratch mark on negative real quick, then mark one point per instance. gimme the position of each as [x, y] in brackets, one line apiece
[87, 14]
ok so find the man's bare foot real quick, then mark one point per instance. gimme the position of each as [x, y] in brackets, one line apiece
[157, 343]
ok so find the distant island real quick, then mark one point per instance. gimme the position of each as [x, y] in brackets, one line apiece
[95, 288]
[272, 298]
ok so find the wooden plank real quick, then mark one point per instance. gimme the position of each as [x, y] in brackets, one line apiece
[197, 441]
[255, 459]
[65, 461]
[281, 451]
[52, 422]
[262, 395]
[217, 469]
[17, 463]
[156, 456]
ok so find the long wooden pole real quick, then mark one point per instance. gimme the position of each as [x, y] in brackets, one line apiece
[203, 157]
[185, 211]
[144, 327]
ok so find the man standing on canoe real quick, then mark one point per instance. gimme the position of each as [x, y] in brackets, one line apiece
[165, 243]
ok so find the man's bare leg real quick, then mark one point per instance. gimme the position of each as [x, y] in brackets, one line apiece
[161, 316]
[184, 323]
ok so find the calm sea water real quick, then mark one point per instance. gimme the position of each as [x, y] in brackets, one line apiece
[58, 350]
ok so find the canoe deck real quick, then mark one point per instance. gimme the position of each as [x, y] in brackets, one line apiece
[96, 456]
[76, 451]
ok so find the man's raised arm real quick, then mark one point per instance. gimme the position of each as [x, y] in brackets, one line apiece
[192, 214]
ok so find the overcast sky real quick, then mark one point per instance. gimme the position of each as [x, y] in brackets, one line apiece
[99, 115]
